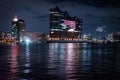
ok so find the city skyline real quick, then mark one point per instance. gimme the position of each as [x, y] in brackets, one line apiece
[96, 14]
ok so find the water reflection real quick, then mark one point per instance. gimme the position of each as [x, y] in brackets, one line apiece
[86, 59]
[72, 61]
[56, 59]
[103, 60]
[69, 59]
[59, 61]
[52, 58]
[15, 68]
[27, 59]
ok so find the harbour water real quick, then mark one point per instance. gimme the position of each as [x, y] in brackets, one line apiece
[60, 61]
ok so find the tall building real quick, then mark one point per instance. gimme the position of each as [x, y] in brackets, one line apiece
[55, 17]
[18, 29]
[63, 26]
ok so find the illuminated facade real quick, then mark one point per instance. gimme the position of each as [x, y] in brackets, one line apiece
[64, 27]
[5, 37]
[18, 29]
[35, 36]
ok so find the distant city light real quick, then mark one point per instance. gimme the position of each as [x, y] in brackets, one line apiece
[52, 32]
[71, 30]
[27, 40]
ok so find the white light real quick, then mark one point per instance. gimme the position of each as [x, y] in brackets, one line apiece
[27, 40]
[14, 25]
[23, 30]
[15, 19]
[52, 32]
[20, 39]
[71, 30]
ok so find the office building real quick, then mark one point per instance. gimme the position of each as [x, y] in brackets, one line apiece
[18, 29]
[63, 26]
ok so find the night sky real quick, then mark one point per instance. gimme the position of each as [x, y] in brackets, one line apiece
[98, 15]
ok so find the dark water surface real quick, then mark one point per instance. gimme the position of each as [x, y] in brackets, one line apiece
[60, 61]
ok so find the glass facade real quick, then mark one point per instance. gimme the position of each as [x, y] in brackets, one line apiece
[18, 29]
[61, 20]
[63, 26]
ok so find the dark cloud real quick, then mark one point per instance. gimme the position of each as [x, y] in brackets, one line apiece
[42, 16]
[98, 3]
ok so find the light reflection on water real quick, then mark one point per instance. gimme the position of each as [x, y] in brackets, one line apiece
[27, 60]
[14, 70]
[59, 61]
[72, 61]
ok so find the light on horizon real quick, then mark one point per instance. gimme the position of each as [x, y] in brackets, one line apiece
[27, 40]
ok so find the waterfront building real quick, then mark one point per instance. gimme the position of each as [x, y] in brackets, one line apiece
[116, 36]
[110, 37]
[87, 37]
[63, 26]
[5, 37]
[35, 36]
[18, 29]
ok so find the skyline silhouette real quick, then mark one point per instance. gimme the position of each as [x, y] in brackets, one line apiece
[95, 13]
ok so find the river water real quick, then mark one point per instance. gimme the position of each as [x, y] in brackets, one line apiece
[60, 61]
